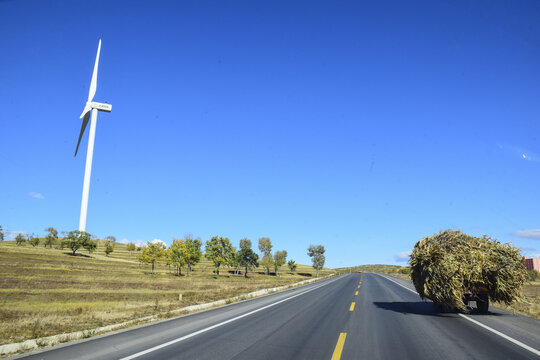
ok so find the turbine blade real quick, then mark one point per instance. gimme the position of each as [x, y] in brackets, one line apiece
[87, 108]
[83, 127]
[93, 83]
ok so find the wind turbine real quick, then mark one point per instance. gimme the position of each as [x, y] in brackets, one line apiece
[90, 110]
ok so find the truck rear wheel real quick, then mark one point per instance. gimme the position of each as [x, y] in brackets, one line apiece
[482, 303]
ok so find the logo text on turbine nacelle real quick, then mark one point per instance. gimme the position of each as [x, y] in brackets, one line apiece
[101, 106]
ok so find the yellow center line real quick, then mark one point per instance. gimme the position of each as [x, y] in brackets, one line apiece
[356, 293]
[352, 306]
[339, 347]
[359, 286]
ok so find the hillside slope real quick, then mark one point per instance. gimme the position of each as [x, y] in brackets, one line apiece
[47, 291]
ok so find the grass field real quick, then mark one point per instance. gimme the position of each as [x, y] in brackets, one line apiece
[379, 268]
[47, 291]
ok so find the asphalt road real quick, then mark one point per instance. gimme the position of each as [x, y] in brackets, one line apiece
[319, 321]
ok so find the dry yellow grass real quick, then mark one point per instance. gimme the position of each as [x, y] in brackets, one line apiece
[529, 305]
[47, 291]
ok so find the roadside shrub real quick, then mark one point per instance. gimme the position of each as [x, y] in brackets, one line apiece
[533, 275]
[404, 270]
[20, 240]
[109, 248]
[34, 241]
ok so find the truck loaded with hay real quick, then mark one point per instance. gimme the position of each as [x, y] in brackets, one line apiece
[452, 268]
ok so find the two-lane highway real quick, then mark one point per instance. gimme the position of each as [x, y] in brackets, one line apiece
[347, 317]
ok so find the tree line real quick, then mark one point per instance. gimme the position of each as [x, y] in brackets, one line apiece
[73, 240]
[183, 254]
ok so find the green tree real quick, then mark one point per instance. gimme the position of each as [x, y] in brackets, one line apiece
[91, 245]
[152, 253]
[265, 247]
[76, 239]
[267, 261]
[245, 243]
[1, 233]
[280, 257]
[185, 252]
[131, 247]
[19, 239]
[174, 256]
[316, 253]
[191, 252]
[32, 240]
[292, 265]
[61, 244]
[109, 248]
[110, 238]
[220, 251]
[235, 263]
[246, 257]
[52, 236]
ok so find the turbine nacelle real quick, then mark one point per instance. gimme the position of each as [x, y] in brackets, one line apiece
[95, 105]
[101, 106]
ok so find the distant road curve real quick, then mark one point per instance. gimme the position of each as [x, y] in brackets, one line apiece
[339, 318]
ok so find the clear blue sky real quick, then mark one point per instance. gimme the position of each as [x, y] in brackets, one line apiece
[360, 125]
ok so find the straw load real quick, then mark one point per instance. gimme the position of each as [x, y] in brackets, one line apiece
[449, 265]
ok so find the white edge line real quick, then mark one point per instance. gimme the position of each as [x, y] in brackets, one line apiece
[219, 324]
[518, 343]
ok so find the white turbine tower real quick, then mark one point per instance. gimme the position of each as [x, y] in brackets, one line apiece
[91, 108]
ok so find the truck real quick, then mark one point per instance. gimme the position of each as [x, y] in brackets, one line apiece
[478, 293]
[453, 269]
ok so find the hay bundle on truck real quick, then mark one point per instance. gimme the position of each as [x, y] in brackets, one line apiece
[452, 268]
